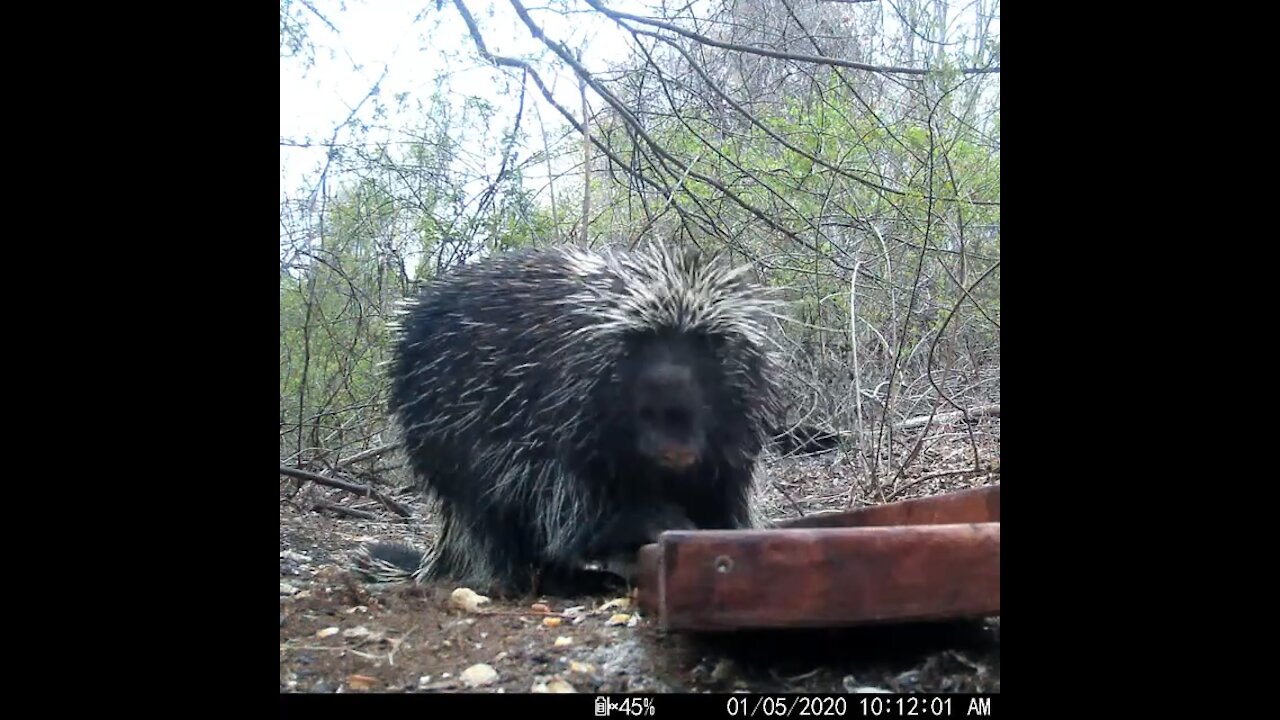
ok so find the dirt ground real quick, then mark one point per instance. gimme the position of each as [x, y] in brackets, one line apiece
[337, 635]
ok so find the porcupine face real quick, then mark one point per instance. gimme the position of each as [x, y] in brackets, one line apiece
[667, 378]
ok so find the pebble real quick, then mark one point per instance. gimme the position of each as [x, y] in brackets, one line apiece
[479, 674]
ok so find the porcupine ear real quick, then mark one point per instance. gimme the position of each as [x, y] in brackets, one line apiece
[691, 255]
[700, 258]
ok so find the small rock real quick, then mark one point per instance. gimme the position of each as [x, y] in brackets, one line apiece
[561, 641]
[619, 619]
[500, 656]
[424, 680]
[619, 603]
[551, 622]
[467, 599]
[295, 557]
[560, 686]
[479, 675]
[581, 667]
[438, 685]
[327, 632]
[358, 609]
[540, 607]
[287, 589]
[356, 633]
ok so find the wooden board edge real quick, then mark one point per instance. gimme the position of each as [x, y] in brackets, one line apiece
[981, 504]
[960, 563]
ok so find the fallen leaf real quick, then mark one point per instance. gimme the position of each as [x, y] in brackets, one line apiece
[361, 682]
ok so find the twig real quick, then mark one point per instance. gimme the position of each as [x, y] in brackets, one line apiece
[362, 514]
[931, 476]
[980, 411]
[618, 15]
[365, 455]
[356, 488]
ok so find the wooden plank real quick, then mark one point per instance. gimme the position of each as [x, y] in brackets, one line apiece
[711, 580]
[977, 505]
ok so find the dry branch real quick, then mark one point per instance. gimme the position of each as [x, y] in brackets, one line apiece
[981, 411]
[365, 454]
[358, 489]
[331, 507]
[618, 16]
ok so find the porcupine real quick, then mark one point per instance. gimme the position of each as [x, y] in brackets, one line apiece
[565, 406]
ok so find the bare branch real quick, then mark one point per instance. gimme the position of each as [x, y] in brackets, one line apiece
[818, 59]
[362, 490]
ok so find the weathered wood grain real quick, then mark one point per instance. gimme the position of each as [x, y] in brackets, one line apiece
[978, 505]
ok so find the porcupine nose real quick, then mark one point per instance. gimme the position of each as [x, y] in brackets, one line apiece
[677, 456]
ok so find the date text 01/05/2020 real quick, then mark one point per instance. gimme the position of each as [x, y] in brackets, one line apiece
[770, 706]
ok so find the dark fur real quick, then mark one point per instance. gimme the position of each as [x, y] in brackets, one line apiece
[538, 394]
